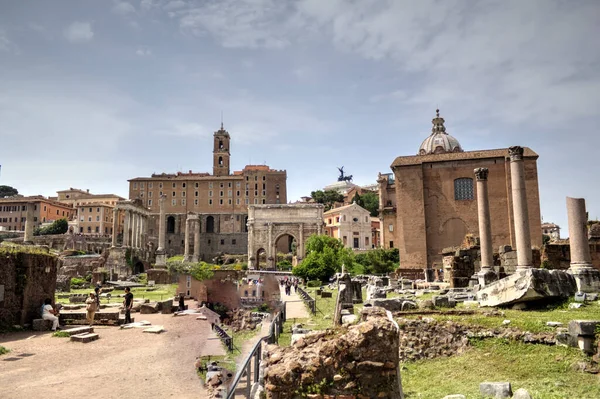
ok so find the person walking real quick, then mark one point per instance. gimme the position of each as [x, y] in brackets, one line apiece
[128, 304]
[91, 306]
[50, 314]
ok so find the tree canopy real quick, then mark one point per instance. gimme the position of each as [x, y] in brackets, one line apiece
[376, 261]
[60, 226]
[369, 201]
[8, 191]
[324, 257]
[328, 198]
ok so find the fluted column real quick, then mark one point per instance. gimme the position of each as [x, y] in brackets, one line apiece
[520, 212]
[486, 274]
[186, 253]
[196, 256]
[29, 223]
[127, 228]
[115, 227]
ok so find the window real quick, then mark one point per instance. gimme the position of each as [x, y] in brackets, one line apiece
[221, 185]
[196, 184]
[174, 202]
[183, 201]
[210, 225]
[174, 185]
[135, 185]
[210, 202]
[221, 201]
[170, 225]
[210, 185]
[160, 185]
[97, 229]
[247, 201]
[183, 193]
[366, 219]
[237, 201]
[264, 201]
[150, 194]
[230, 201]
[81, 229]
[97, 218]
[391, 227]
[150, 185]
[229, 193]
[89, 229]
[174, 193]
[255, 201]
[463, 189]
[220, 161]
[222, 242]
[195, 202]
[237, 193]
[237, 185]
[220, 193]
[233, 242]
[90, 209]
[391, 244]
[264, 178]
[195, 193]
[210, 193]
[183, 185]
[44, 208]
[57, 212]
[337, 219]
[89, 219]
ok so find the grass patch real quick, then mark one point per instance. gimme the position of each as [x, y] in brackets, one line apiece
[61, 334]
[162, 292]
[545, 371]
[227, 362]
[3, 350]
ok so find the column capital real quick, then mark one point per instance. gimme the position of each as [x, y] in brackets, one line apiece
[481, 173]
[515, 153]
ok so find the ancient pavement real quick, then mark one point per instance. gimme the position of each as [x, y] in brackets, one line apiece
[294, 308]
[125, 363]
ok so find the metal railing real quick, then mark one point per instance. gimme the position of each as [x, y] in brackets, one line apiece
[312, 304]
[251, 370]
[227, 340]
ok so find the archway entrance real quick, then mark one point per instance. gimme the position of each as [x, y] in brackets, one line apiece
[138, 268]
[210, 224]
[170, 225]
[285, 248]
[261, 259]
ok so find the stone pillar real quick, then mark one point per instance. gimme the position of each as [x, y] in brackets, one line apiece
[300, 249]
[486, 275]
[115, 227]
[143, 233]
[251, 254]
[586, 277]
[102, 220]
[133, 224]
[29, 223]
[196, 256]
[186, 253]
[520, 212]
[126, 228]
[161, 257]
[270, 255]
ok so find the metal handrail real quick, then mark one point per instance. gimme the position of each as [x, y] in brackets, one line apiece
[275, 329]
[227, 340]
[308, 299]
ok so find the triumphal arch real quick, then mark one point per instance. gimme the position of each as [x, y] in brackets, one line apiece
[267, 224]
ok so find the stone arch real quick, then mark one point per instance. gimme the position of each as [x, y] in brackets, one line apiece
[171, 225]
[210, 224]
[138, 267]
[259, 253]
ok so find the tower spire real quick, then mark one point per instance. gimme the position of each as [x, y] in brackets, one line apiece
[221, 120]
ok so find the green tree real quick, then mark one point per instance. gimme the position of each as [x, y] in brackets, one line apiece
[545, 239]
[370, 201]
[324, 257]
[376, 261]
[328, 198]
[8, 191]
[59, 226]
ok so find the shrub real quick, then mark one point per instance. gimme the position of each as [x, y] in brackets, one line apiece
[3, 350]
[60, 226]
[313, 283]
[78, 281]
[61, 334]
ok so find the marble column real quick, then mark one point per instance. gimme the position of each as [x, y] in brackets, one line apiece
[486, 275]
[300, 249]
[161, 224]
[102, 212]
[126, 228]
[196, 256]
[143, 234]
[251, 254]
[115, 227]
[586, 277]
[270, 246]
[186, 253]
[520, 212]
[29, 223]
[133, 224]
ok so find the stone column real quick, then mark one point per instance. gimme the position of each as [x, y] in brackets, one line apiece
[486, 275]
[115, 227]
[126, 228]
[251, 254]
[133, 224]
[586, 277]
[101, 220]
[29, 223]
[270, 256]
[161, 224]
[186, 253]
[196, 256]
[300, 249]
[520, 212]
[143, 233]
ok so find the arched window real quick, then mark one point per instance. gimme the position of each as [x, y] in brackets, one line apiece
[463, 189]
[220, 161]
[170, 225]
[246, 224]
[210, 224]
[220, 144]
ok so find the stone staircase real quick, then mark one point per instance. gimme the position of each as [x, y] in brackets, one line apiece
[82, 334]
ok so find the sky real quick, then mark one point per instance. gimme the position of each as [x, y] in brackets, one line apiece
[93, 93]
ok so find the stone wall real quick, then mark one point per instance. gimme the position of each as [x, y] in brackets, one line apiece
[80, 266]
[557, 254]
[508, 259]
[27, 277]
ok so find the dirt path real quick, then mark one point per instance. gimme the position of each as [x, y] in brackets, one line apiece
[124, 363]
[294, 307]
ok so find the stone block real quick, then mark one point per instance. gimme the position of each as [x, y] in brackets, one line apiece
[587, 279]
[586, 343]
[349, 319]
[392, 304]
[504, 248]
[148, 308]
[528, 285]
[79, 330]
[325, 294]
[154, 330]
[521, 393]
[85, 338]
[41, 325]
[583, 327]
[496, 390]
[458, 396]
[580, 297]
[440, 301]
[591, 297]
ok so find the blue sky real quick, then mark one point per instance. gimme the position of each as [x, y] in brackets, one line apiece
[93, 93]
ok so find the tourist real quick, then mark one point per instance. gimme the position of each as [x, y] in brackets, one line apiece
[91, 306]
[181, 302]
[50, 314]
[98, 290]
[128, 304]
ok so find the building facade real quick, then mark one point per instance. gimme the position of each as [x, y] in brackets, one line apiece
[221, 199]
[13, 211]
[552, 230]
[351, 224]
[429, 202]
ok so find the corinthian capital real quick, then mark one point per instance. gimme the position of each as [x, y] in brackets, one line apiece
[481, 173]
[516, 153]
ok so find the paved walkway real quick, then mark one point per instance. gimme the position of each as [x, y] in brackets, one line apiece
[295, 307]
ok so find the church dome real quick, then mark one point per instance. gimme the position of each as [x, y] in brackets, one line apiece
[439, 142]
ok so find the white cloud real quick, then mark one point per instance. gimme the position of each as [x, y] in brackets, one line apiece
[143, 51]
[123, 8]
[5, 43]
[174, 5]
[147, 4]
[79, 32]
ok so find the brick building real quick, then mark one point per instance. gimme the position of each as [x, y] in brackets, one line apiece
[221, 198]
[429, 201]
[13, 211]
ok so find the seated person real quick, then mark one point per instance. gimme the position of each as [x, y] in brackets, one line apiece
[50, 314]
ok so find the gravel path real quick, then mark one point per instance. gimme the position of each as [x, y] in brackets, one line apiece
[126, 363]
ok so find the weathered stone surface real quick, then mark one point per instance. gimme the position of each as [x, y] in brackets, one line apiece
[528, 285]
[375, 292]
[392, 304]
[521, 393]
[349, 319]
[165, 307]
[41, 325]
[458, 396]
[496, 390]
[148, 308]
[79, 330]
[85, 338]
[583, 327]
[367, 352]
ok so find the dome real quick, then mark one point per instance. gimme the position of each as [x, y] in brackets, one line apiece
[439, 142]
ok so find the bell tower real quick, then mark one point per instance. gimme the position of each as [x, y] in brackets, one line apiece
[221, 153]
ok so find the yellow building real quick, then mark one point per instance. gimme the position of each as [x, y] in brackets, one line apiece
[13, 211]
[351, 224]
